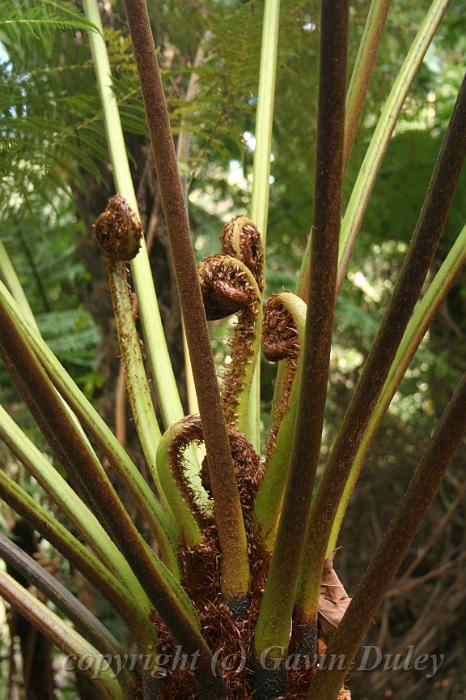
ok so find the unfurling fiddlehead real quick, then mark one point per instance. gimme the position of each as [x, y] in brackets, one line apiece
[225, 627]
[232, 283]
[118, 230]
[242, 240]
[189, 513]
[283, 333]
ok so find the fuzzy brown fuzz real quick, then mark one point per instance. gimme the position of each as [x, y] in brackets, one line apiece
[118, 230]
[226, 289]
[241, 346]
[280, 342]
[242, 240]
[225, 286]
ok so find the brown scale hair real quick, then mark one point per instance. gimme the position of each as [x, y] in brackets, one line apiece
[241, 239]
[280, 342]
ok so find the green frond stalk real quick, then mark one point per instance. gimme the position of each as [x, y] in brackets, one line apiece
[377, 366]
[121, 589]
[227, 506]
[394, 545]
[140, 396]
[269, 498]
[103, 437]
[415, 331]
[370, 167]
[63, 635]
[10, 279]
[85, 622]
[157, 351]
[166, 593]
[64, 497]
[259, 206]
[274, 621]
[363, 71]
[136, 380]
[193, 406]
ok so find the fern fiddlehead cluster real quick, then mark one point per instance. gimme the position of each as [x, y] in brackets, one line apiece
[231, 283]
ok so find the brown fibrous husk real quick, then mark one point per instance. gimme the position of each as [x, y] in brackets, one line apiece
[118, 230]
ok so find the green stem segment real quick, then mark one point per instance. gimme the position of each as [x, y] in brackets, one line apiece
[362, 189]
[261, 170]
[154, 336]
[10, 278]
[274, 622]
[141, 400]
[415, 331]
[130, 348]
[64, 636]
[128, 600]
[284, 323]
[228, 514]
[394, 545]
[362, 72]
[90, 418]
[377, 366]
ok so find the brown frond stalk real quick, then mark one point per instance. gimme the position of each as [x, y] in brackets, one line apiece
[275, 616]
[227, 505]
[168, 599]
[418, 260]
[394, 545]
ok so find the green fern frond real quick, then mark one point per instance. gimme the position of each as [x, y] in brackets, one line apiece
[44, 16]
